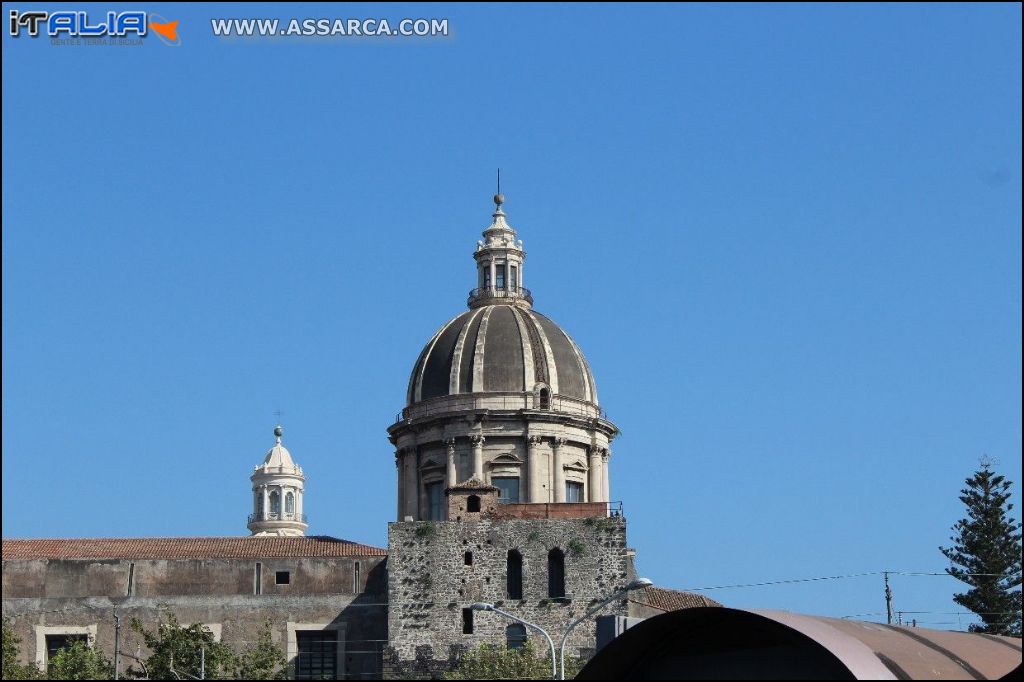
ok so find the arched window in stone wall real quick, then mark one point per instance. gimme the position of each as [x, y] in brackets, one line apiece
[515, 636]
[473, 503]
[275, 503]
[514, 574]
[289, 503]
[556, 574]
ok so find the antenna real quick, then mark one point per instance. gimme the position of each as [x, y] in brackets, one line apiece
[499, 181]
[278, 413]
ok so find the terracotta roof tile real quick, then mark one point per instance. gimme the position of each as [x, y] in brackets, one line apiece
[186, 548]
[670, 600]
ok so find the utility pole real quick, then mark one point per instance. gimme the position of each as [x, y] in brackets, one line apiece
[888, 599]
[117, 646]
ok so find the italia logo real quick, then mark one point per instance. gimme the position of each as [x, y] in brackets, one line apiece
[78, 24]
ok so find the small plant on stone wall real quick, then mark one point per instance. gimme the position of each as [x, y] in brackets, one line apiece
[426, 530]
[577, 548]
[533, 537]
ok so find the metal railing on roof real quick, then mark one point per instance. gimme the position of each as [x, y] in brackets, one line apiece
[274, 516]
[500, 402]
[487, 293]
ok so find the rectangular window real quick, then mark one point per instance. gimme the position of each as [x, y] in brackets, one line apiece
[487, 276]
[573, 491]
[513, 278]
[467, 621]
[434, 497]
[257, 579]
[357, 583]
[282, 578]
[131, 579]
[55, 643]
[508, 489]
[317, 657]
[499, 276]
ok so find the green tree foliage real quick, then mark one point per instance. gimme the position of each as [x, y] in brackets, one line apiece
[184, 647]
[12, 670]
[79, 661]
[262, 661]
[986, 554]
[500, 663]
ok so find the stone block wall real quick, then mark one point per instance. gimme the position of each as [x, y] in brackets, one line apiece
[49, 595]
[431, 580]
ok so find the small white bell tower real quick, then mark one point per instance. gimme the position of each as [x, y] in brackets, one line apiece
[277, 489]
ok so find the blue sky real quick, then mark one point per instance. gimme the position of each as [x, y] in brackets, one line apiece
[788, 239]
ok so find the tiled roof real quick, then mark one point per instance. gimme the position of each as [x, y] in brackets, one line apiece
[186, 548]
[670, 600]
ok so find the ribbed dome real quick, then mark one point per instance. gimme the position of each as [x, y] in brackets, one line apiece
[278, 456]
[501, 348]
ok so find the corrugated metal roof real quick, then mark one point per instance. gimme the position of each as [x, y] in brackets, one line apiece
[186, 548]
[921, 653]
[738, 644]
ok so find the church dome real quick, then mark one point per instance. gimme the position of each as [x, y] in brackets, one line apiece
[501, 348]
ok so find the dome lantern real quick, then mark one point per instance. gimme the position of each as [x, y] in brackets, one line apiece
[499, 262]
[278, 486]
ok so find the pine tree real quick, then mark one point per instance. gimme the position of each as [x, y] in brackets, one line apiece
[986, 554]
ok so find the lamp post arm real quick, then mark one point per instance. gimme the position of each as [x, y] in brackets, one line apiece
[591, 611]
[551, 643]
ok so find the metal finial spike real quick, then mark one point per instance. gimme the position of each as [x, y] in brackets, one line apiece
[499, 198]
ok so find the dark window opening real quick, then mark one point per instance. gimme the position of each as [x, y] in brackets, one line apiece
[573, 491]
[55, 643]
[257, 579]
[131, 579]
[508, 489]
[467, 558]
[357, 583]
[487, 276]
[282, 578]
[514, 573]
[434, 501]
[513, 278]
[515, 636]
[472, 503]
[317, 657]
[556, 574]
[467, 621]
[545, 399]
[275, 505]
[499, 276]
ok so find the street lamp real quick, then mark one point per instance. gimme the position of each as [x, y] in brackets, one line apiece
[637, 584]
[484, 606]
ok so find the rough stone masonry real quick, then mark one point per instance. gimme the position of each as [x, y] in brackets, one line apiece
[437, 569]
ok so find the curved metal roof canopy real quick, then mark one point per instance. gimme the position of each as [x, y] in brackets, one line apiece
[723, 643]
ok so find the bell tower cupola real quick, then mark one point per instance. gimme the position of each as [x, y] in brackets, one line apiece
[277, 492]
